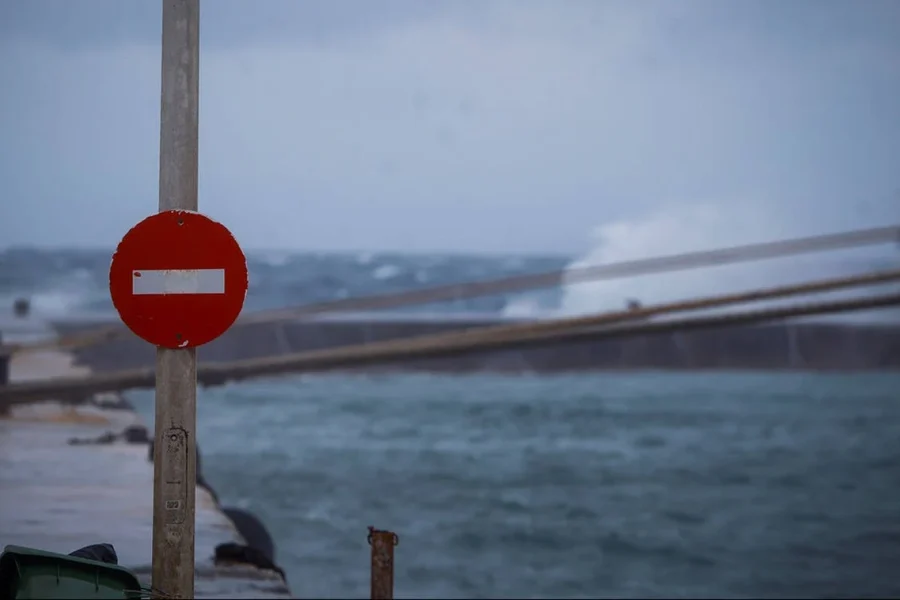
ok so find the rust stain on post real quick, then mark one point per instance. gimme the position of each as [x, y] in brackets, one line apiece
[382, 543]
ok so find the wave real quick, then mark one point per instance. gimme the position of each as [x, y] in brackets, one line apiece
[74, 283]
[66, 283]
[696, 228]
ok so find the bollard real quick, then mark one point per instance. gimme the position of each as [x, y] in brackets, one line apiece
[4, 364]
[4, 374]
[21, 307]
[382, 543]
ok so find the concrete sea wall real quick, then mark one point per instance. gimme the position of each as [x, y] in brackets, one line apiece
[77, 475]
[800, 346]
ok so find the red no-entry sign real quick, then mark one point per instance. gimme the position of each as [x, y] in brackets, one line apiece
[178, 279]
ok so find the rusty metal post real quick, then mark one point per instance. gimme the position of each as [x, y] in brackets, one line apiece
[382, 543]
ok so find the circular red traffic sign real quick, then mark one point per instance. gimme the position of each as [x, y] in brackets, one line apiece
[178, 279]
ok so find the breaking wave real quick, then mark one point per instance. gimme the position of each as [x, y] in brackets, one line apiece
[698, 228]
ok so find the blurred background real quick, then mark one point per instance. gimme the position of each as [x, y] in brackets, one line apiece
[356, 148]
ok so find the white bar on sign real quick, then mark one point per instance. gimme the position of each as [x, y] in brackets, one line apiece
[178, 281]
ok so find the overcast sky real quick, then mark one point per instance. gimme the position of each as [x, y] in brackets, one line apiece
[469, 125]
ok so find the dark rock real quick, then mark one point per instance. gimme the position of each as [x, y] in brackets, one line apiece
[107, 438]
[136, 434]
[133, 434]
[252, 530]
[231, 553]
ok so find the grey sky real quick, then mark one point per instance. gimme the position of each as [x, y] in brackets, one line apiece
[469, 125]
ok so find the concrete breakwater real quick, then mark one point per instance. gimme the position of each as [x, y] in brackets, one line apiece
[780, 346]
[76, 475]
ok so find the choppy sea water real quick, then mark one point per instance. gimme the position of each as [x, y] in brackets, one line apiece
[629, 485]
[74, 283]
[64, 283]
[577, 486]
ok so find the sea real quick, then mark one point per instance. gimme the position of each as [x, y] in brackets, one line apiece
[606, 485]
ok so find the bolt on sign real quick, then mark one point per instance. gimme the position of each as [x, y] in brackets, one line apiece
[178, 279]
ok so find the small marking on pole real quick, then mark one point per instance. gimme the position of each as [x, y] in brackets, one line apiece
[174, 475]
[154, 282]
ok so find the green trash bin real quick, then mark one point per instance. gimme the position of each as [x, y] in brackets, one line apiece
[28, 574]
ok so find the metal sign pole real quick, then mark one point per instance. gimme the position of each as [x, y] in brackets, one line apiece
[175, 449]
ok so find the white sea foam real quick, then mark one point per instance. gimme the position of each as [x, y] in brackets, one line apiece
[697, 228]
[386, 272]
[273, 258]
[526, 307]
